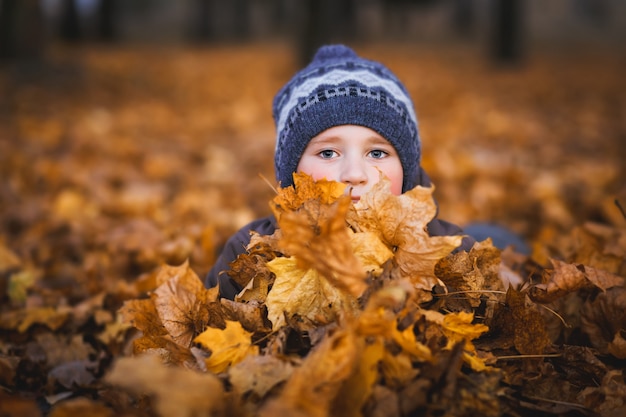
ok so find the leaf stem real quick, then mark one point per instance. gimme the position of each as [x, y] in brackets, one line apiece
[471, 291]
[554, 355]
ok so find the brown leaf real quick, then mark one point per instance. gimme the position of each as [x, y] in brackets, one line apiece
[251, 315]
[617, 347]
[304, 191]
[604, 317]
[608, 398]
[142, 314]
[400, 222]
[48, 316]
[519, 323]
[81, 407]
[474, 272]
[18, 406]
[568, 278]
[182, 303]
[247, 266]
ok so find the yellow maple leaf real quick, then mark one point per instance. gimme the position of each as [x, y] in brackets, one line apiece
[305, 294]
[371, 252]
[228, 347]
[400, 222]
[458, 328]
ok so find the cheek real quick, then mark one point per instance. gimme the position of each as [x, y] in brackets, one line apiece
[395, 174]
[396, 183]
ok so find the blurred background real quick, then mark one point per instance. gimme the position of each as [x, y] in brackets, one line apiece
[139, 132]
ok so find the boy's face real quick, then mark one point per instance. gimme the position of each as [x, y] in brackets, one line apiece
[353, 155]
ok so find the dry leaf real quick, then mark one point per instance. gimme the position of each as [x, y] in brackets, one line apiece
[311, 217]
[228, 346]
[473, 273]
[304, 295]
[306, 190]
[568, 278]
[400, 222]
[604, 318]
[183, 303]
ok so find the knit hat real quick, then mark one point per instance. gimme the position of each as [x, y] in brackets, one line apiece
[337, 88]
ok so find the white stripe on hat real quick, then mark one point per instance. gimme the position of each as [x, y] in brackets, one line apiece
[336, 77]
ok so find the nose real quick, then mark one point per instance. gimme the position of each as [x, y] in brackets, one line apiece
[354, 173]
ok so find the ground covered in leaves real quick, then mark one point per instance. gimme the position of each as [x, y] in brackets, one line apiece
[123, 171]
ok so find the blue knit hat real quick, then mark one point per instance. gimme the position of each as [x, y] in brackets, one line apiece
[338, 88]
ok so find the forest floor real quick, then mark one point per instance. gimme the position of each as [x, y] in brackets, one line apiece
[116, 160]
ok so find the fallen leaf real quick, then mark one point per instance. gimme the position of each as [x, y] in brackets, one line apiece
[305, 295]
[183, 303]
[400, 222]
[568, 278]
[324, 246]
[228, 346]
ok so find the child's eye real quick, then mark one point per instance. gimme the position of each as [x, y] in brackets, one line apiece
[327, 153]
[378, 154]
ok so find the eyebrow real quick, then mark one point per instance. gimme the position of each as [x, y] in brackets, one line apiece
[374, 140]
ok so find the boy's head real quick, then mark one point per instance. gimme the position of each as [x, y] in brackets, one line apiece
[340, 88]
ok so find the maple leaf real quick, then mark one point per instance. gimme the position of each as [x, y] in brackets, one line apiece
[251, 315]
[247, 266]
[568, 278]
[458, 328]
[400, 222]
[142, 314]
[304, 294]
[304, 191]
[228, 346]
[184, 304]
[311, 218]
[520, 322]
[325, 246]
[474, 272]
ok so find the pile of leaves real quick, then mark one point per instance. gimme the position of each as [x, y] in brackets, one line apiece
[353, 309]
[113, 169]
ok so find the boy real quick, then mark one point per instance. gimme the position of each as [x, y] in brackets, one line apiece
[343, 118]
